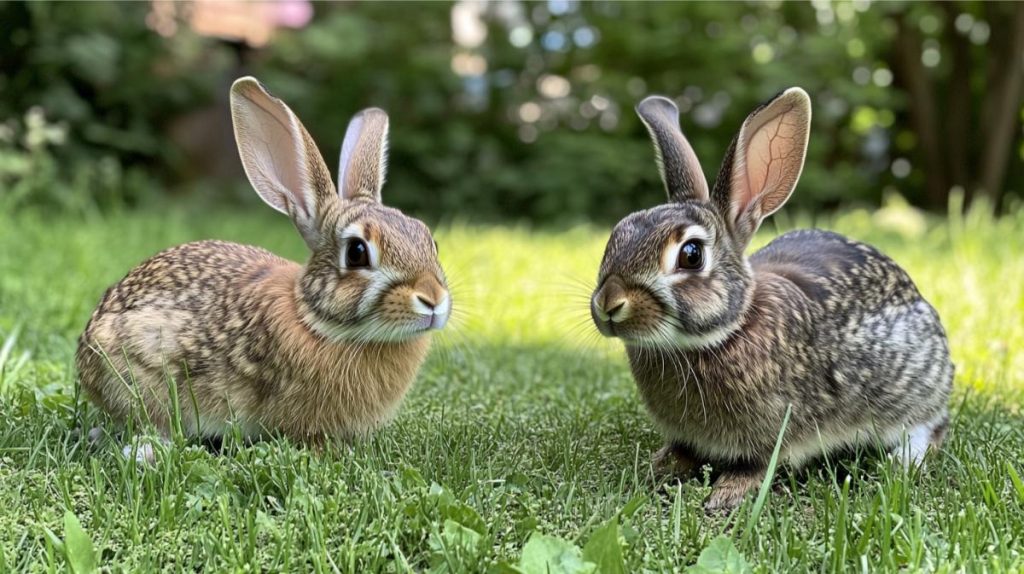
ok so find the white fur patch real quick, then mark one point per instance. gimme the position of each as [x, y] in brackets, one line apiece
[352, 230]
[914, 445]
[826, 441]
[704, 340]
[379, 280]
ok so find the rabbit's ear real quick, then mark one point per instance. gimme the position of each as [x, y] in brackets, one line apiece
[680, 170]
[364, 155]
[764, 162]
[279, 157]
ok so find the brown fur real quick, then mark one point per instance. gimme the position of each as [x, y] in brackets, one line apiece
[263, 366]
[222, 332]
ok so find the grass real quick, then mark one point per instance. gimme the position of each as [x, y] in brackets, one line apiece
[522, 442]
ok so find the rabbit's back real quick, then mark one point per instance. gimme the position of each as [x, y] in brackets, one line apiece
[173, 317]
[871, 321]
[881, 352]
[884, 344]
[183, 277]
[828, 267]
[881, 346]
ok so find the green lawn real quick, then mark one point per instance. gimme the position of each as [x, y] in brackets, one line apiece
[524, 430]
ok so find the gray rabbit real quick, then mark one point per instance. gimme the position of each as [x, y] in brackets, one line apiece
[721, 344]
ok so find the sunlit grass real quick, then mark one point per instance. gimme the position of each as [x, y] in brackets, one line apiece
[522, 415]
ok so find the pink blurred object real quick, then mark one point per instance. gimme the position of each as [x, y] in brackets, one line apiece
[292, 13]
[236, 20]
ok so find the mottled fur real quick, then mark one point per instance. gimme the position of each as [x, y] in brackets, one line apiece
[241, 335]
[815, 321]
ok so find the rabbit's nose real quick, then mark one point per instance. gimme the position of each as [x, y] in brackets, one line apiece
[610, 302]
[429, 292]
[431, 300]
[427, 304]
[617, 308]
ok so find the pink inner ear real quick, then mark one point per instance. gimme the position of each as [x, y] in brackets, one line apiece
[772, 150]
[270, 142]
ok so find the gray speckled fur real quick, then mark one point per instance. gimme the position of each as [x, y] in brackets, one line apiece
[855, 368]
[814, 321]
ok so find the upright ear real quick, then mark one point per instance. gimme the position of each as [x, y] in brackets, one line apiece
[279, 157]
[764, 162]
[680, 170]
[364, 155]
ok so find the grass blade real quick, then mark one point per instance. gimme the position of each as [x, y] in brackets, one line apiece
[762, 494]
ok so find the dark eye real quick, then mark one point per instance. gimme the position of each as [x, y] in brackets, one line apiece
[691, 256]
[357, 254]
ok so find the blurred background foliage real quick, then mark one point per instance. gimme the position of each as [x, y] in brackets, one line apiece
[510, 110]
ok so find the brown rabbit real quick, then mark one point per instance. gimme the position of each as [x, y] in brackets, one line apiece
[721, 344]
[238, 334]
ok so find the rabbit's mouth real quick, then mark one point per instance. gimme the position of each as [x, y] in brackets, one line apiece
[431, 322]
[630, 330]
[664, 334]
[606, 328]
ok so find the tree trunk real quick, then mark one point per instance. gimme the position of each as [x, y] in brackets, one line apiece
[958, 105]
[1003, 100]
[912, 75]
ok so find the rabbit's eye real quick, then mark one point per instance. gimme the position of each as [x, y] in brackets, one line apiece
[691, 256]
[357, 254]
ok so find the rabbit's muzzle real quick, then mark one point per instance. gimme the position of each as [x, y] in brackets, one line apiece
[610, 306]
[431, 302]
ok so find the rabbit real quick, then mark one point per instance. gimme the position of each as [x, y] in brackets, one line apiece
[316, 351]
[720, 345]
